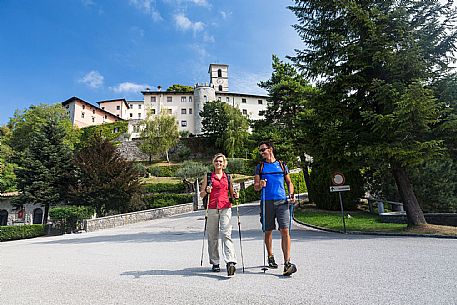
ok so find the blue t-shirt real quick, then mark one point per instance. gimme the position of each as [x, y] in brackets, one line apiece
[275, 180]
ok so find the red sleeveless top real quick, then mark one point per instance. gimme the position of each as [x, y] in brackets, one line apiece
[219, 198]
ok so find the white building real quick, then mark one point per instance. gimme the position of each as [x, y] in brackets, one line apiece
[186, 106]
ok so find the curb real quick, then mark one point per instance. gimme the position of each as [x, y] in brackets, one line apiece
[375, 233]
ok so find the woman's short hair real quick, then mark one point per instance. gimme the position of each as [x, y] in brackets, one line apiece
[224, 159]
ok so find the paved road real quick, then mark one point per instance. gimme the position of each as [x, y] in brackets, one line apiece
[158, 262]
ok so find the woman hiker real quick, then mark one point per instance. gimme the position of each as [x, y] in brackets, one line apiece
[219, 210]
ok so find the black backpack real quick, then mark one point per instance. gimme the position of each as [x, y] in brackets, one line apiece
[208, 183]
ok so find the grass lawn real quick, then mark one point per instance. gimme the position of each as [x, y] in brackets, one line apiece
[358, 221]
[364, 222]
[152, 180]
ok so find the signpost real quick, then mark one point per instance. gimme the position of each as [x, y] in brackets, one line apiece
[338, 186]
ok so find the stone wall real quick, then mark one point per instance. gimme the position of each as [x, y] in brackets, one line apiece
[130, 151]
[129, 218]
[445, 219]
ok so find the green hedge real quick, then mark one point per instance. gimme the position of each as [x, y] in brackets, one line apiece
[174, 188]
[20, 232]
[163, 171]
[163, 200]
[249, 195]
[298, 181]
[70, 217]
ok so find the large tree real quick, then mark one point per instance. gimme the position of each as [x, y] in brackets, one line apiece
[374, 62]
[160, 133]
[180, 88]
[45, 169]
[105, 180]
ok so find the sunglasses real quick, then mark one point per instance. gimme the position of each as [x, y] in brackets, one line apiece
[263, 149]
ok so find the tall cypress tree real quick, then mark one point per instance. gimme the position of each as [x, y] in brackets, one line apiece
[374, 62]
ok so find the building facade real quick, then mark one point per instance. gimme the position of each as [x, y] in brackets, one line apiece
[184, 106]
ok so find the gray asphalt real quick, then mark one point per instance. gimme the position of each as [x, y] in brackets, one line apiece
[158, 262]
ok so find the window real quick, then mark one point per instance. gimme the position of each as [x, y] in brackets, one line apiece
[93, 111]
[84, 106]
[169, 99]
[183, 99]
[153, 99]
[243, 100]
[82, 115]
[219, 73]
[131, 115]
[136, 128]
[260, 102]
[245, 112]
[227, 99]
[190, 110]
[139, 106]
[183, 123]
[131, 106]
[118, 107]
[183, 110]
[103, 108]
[93, 120]
[153, 111]
[106, 116]
[219, 98]
[170, 111]
[205, 98]
[139, 115]
[220, 87]
[190, 99]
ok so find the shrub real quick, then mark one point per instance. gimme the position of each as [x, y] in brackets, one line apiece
[71, 217]
[20, 232]
[239, 166]
[249, 195]
[141, 169]
[174, 188]
[298, 180]
[163, 171]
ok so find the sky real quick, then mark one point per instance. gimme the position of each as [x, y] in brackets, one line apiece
[51, 50]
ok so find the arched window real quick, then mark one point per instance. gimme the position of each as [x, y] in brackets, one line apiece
[37, 216]
[219, 73]
[220, 87]
[3, 217]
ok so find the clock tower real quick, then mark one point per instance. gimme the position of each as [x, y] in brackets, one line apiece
[218, 77]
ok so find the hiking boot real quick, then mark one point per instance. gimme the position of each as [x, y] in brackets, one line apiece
[216, 268]
[231, 269]
[289, 268]
[271, 262]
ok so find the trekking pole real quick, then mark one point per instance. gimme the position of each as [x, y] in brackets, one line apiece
[204, 230]
[237, 202]
[263, 229]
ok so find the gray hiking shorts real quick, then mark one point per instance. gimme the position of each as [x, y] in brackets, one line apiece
[275, 209]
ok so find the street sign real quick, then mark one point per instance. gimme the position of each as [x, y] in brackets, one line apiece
[338, 178]
[340, 188]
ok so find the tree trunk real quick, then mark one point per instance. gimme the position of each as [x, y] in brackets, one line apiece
[46, 214]
[168, 159]
[414, 214]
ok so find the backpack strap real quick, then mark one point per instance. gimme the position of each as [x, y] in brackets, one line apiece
[262, 164]
[281, 163]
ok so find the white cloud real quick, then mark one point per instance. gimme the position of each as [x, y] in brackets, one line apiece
[183, 23]
[88, 3]
[92, 79]
[128, 87]
[148, 7]
[225, 15]
[208, 38]
[200, 2]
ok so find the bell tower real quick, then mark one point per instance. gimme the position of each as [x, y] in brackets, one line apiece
[218, 77]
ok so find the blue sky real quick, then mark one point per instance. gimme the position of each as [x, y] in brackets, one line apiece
[51, 50]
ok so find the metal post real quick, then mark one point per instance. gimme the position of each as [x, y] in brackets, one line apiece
[342, 212]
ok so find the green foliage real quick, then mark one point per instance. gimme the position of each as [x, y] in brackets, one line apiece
[225, 126]
[20, 232]
[45, 170]
[163, 171]
[141, 169]
[160, 133]
[175, 188]
[249, 195]
[105, 180]
[71, 217]
[321, 182]
[7, 176]
[25, 123]
[162, 200]
[109, 131]
[191, 170]
[239, 166]
[298, 180]
[181, 152]
[180, 88]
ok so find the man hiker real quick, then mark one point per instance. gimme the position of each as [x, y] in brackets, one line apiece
[269, 178]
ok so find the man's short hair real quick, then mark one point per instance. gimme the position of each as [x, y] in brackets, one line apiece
[268, 144]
